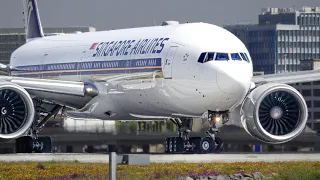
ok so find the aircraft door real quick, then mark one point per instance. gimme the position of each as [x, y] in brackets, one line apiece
[83, 57]
[167, 65]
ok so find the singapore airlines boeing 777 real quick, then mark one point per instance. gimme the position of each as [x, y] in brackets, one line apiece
[176, 71]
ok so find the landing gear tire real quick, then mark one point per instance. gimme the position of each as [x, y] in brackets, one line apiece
[195, 145]
[27, 144]
[179, 145]
[219, 145]
[43, 145]
[207, 145]
[168, 146]
[24, 144]
[174, 145]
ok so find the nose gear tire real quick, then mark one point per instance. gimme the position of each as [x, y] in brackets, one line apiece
[207, 145]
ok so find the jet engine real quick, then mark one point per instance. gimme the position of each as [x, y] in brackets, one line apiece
[274, 113]
[16, 111]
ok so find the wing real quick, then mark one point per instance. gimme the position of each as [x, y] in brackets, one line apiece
[288, 78]
[66, 93]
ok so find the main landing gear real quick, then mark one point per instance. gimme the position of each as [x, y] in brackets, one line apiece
[186, 144]
[33, 142]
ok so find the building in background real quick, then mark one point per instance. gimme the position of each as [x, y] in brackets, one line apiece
[12, 38]
[283, 37]
[311, 93]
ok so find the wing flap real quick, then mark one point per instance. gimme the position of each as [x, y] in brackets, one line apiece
[288, 78]
[68, 93]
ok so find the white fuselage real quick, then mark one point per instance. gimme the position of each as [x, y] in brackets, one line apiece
[158, 76]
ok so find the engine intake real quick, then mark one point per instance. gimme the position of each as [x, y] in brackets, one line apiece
[16, 111]
[274, 113]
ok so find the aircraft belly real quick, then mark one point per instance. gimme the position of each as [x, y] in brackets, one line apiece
[167, 97]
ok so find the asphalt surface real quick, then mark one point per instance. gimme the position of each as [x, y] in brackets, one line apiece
[190, 158]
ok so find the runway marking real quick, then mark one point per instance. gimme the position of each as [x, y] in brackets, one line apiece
[190, 158]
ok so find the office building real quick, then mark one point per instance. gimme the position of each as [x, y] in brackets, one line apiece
[311, 93]
[283, 37]
[12, 38]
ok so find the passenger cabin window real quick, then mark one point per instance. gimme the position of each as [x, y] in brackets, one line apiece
[222, 56]
[235, 56]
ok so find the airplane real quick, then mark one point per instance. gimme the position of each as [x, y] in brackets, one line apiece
[180, 72]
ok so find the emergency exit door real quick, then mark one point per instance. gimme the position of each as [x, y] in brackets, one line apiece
[167, 65]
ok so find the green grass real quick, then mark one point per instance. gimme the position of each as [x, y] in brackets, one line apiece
[76, 170]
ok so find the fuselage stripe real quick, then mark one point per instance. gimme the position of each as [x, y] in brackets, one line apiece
[94, 67]
[90, 70]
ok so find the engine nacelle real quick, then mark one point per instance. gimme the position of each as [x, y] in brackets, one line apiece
[274, 113]
[16, 111]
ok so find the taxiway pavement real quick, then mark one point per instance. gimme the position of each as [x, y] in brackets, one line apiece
[164, 158]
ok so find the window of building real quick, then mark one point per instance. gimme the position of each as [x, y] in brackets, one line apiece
[316, 104]
[309, 103]
[311, 20]
[316, 115]
[306, 83]
[316, 126]
[316, 92]
[316, 82]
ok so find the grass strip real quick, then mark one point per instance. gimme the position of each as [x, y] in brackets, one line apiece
[75, 170]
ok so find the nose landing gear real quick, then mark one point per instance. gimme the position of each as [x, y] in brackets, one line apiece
[186, 144]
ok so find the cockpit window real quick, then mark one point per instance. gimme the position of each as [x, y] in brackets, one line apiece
[222, 56]
[205, 57]
[210, 56]
[247, 57]
[243, 57]
[201, 58]
[235, 56]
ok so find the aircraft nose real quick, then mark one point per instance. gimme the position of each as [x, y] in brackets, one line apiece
[233, 80]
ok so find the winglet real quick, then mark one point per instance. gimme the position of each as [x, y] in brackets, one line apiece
[32, 23]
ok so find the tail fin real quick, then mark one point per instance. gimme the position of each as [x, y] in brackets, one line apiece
[32, 23]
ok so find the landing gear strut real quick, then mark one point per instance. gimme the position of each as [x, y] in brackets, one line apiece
[186, 144]
[33, 142]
